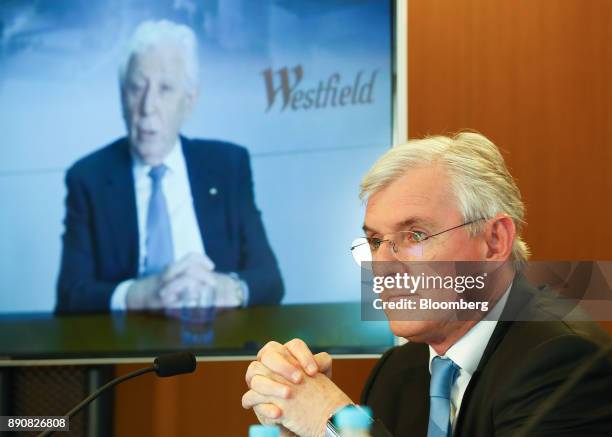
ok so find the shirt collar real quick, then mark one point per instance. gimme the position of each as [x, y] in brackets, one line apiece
[174, 161]
[468, 350]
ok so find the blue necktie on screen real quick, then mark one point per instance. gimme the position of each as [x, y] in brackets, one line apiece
[443, 374]
[160, 250]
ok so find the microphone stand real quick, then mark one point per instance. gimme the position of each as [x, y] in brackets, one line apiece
[97, 393]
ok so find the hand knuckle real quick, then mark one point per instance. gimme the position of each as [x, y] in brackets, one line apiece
[251, 369]
[296, 344]
[273, 344]
[269, 346]
[292, 342]
[256, 382]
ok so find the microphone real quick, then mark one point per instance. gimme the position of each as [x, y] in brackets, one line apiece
[164, 366]
[174, 364]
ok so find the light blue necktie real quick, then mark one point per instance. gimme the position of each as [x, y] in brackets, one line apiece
[160, 250]
[443, 374]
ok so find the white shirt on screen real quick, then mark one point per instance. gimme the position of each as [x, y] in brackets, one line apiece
[467, 352]
[186, 237]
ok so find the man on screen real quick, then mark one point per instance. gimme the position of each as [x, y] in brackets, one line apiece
[156, 220]
[456, 200]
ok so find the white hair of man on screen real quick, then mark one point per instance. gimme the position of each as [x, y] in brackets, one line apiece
[151, 34]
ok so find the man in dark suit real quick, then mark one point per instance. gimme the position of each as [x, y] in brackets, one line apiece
[449, 199]
[521, 366]
[156, 220]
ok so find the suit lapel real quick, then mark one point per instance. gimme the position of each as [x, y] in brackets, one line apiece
[122, 216]
[520, 296]
[208, 193]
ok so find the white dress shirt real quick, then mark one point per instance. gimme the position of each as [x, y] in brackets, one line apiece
[186, 236]
[467, 352]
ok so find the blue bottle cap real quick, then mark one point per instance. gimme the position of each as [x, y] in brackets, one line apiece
[353, 417]
[264, 431]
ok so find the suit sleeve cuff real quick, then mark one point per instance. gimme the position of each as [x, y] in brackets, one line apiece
[245, 292]
[244, 288]
[118, 298]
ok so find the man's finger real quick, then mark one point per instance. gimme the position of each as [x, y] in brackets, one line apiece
[270, 413]
[278, 363]
[324, 361]
[205, 277]
[171, 292]
[271, 345]
[281, 349]
[303, 355]
[197, 277]
[175, 286]
[269, 387]
[252, 399]
[191, 259]
[255, 368]
[177, 268]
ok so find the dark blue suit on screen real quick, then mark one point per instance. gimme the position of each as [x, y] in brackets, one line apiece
[100, 242]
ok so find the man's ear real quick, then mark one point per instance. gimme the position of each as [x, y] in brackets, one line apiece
[499, 236]
[123, 98]
[191, 99]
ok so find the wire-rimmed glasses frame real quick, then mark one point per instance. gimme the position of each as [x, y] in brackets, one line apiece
[404, 245]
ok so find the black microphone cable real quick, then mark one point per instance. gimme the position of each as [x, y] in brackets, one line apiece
[164, 366]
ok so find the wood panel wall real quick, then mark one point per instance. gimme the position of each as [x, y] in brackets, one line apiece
[536, 77]
[533, 75]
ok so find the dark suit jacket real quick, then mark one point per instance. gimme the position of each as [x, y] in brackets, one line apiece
[100, 242]
[523, 363]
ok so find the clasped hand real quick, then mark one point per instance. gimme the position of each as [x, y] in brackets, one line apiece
[189, 282]
[291, 387]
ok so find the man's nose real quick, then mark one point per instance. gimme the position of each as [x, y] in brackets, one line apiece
[149, 101]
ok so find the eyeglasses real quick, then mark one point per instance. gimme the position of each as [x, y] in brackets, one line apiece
[404, 244]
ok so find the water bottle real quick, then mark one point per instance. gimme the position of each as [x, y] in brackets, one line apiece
[264, 431]
[354, 421]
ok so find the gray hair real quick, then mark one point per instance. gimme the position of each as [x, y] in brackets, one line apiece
[480, 179]
[150, 34]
